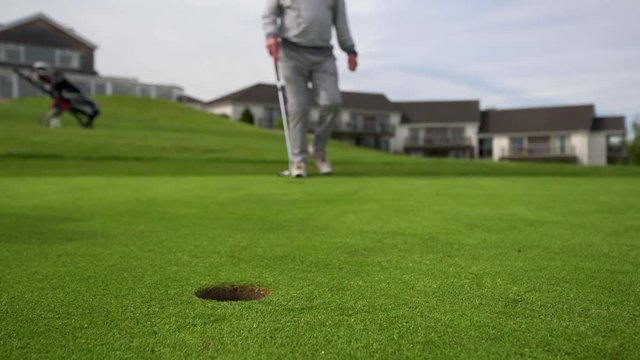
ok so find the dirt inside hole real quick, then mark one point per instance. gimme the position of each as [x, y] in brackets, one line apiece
[233, 293]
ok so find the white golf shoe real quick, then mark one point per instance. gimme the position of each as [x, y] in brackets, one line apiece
[322, 162]
[297, 170]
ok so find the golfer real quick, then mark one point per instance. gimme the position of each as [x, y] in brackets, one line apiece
[299, 38]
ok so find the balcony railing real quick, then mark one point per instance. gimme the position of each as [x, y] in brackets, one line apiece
[437, 142]
[367, 128]
[616, 151]
[541, 153]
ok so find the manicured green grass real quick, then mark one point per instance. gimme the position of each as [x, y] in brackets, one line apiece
[107, 234]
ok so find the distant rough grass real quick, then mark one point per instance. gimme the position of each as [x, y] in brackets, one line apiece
[147, 135]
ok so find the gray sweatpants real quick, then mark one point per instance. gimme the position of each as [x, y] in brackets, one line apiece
[301, 66]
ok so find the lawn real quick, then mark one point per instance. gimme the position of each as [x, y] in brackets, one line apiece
[107, 234]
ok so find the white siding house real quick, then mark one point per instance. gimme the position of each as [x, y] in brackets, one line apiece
[439, 129]
[366, 119]
[559, 134]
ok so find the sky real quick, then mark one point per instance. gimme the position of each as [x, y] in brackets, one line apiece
[506, 53]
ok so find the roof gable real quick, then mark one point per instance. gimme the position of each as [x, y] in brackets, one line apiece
[40, 29]
[550, 119]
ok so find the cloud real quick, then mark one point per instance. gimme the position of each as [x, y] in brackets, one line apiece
[507, 53]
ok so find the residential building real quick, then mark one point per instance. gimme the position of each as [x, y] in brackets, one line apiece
[367, 119]
[438, 128]
[571, 134]
[40, 38]
[456, 129]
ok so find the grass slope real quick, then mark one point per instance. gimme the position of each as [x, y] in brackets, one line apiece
[143, 137]
[107, 234]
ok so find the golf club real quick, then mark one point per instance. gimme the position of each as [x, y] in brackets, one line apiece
[283, 111]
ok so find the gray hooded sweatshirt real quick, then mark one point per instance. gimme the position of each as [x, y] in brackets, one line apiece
[308, 23]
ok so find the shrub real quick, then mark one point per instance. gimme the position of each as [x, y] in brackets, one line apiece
[634, 151]
[634, 147]
[247, 117]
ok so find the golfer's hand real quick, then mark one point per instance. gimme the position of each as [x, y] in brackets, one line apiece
[273, 47]
[353, 62]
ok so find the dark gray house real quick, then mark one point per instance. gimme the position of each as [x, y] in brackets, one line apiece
[40, 38]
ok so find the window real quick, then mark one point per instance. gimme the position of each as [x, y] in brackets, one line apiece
[486, 148]
[6, 87]
[123, 88]
[271, 117]
[384, 145]
[384, 123]
[353, 121]
[39, 53]
[99, 88]
[437, 136]
[517, 145]
[457, 136]
[370, 123]
[414, 136]
[11, 53]
[163, 92]
[145, 91]
[67, 59]
[561, 145]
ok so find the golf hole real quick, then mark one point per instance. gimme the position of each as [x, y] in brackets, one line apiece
[233, 293]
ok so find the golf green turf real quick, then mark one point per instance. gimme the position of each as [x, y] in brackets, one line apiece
[106, 236]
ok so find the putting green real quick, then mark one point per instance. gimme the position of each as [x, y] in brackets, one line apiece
[107, 235]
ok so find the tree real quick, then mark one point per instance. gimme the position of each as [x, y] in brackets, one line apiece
[634, 148]
[247, 117]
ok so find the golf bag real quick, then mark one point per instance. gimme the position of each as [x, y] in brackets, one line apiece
[66, 96]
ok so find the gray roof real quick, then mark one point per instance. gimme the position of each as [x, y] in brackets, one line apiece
[549, 119]
[440, 112]
[612, 123]
[42, 17]
[191, 100]
[268, 94]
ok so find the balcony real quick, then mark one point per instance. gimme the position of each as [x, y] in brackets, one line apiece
[364, 128]
[541, 153]
[438, 143]
[616, 154]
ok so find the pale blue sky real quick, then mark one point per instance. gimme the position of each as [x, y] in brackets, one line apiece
[507, 53]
